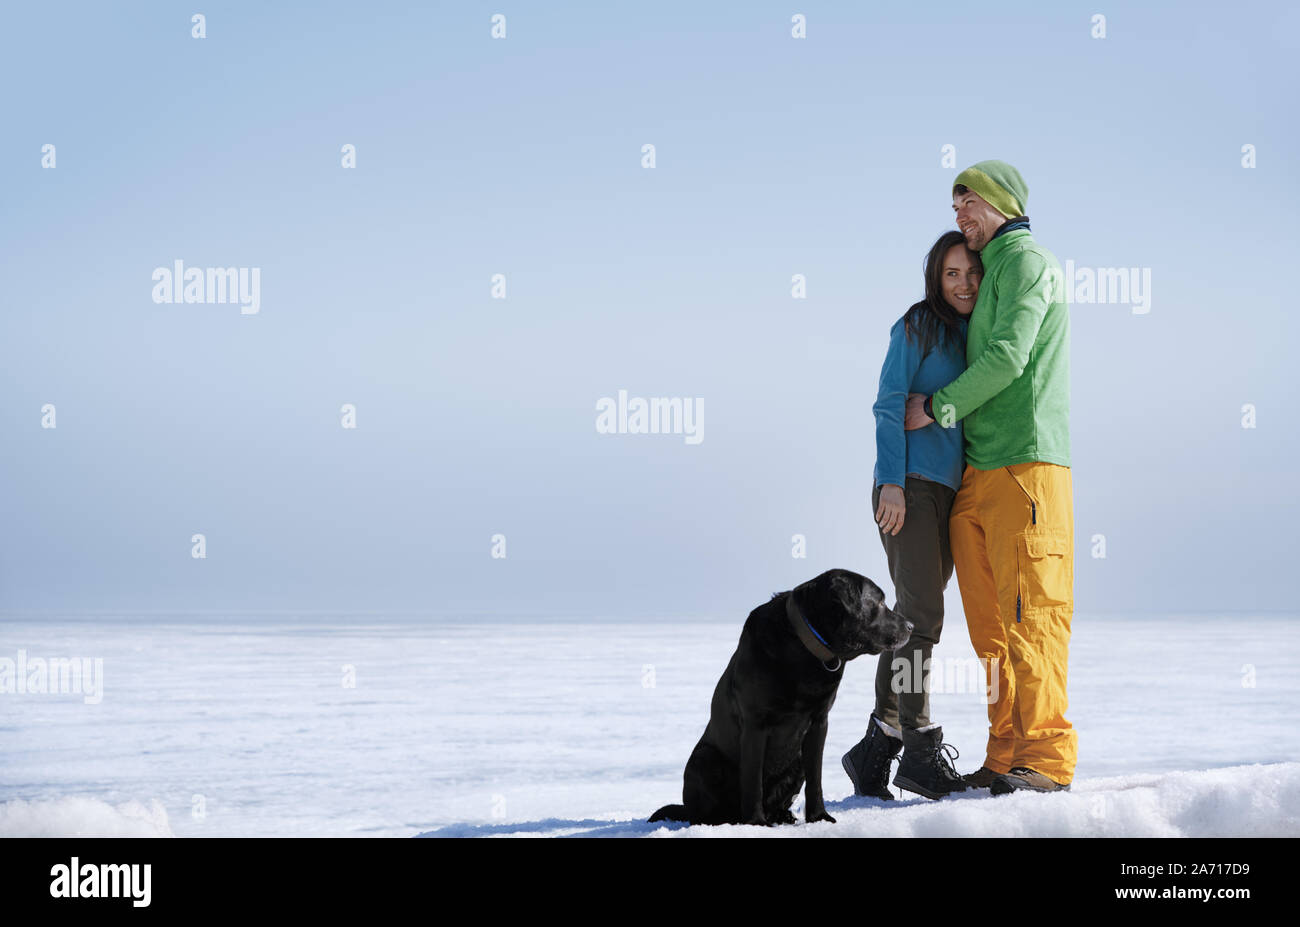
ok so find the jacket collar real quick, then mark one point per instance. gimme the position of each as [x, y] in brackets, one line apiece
[1004, 238]
[1016, 222]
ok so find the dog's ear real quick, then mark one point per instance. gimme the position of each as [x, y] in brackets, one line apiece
[871, 591]
[848, 590]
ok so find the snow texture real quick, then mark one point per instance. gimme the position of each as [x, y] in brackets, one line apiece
[83, 817]
[1241, 801]
[249, 726]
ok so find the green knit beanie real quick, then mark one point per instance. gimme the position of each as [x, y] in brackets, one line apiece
[999, 183]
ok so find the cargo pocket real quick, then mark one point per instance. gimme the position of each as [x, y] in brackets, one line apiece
[1046, 568]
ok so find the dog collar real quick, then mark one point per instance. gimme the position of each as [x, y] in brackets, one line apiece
[815, 643]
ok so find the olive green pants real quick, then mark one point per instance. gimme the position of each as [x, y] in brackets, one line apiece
[920, 565]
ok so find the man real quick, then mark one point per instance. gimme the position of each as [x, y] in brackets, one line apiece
[1012, 522]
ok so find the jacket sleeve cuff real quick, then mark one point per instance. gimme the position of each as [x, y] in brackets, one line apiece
[937, 401]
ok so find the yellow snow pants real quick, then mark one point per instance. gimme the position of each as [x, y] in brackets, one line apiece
[1012, 537]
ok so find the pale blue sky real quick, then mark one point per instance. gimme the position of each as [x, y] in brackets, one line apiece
[521, 156]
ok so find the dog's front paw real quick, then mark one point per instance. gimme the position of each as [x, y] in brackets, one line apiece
[821, 815]
[785, 816]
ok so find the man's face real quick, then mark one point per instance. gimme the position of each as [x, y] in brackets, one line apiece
[976, 219]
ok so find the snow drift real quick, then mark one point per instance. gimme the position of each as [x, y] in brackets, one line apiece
[1236, 801]
[83, 817]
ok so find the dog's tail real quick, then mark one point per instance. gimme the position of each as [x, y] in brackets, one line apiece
[670, 813]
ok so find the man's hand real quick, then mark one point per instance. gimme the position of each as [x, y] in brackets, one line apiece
[914, 416]
[889, 514]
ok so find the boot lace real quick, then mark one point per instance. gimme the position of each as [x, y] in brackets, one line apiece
[943, 760]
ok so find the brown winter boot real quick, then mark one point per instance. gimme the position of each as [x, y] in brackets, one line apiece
[981, 778]
[1022, 778]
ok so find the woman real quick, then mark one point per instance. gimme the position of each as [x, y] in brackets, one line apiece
[917, 476]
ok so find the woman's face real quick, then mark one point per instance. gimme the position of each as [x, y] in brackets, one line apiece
[961, 279]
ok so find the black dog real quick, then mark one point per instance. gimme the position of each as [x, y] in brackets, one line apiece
[767, 724]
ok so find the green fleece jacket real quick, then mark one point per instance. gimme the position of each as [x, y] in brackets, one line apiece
[1014, 398]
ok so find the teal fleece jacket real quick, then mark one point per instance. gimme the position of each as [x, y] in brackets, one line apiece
[933, 452]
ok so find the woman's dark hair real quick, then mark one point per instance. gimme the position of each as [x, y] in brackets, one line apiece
[933, 320]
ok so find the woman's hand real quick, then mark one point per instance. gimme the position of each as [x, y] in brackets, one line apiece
[914, 414]
[889, 514]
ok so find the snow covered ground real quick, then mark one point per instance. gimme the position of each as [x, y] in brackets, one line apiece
[249, 727]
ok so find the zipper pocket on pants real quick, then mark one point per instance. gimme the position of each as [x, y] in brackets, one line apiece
[1033, 506]
[1044, 570]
